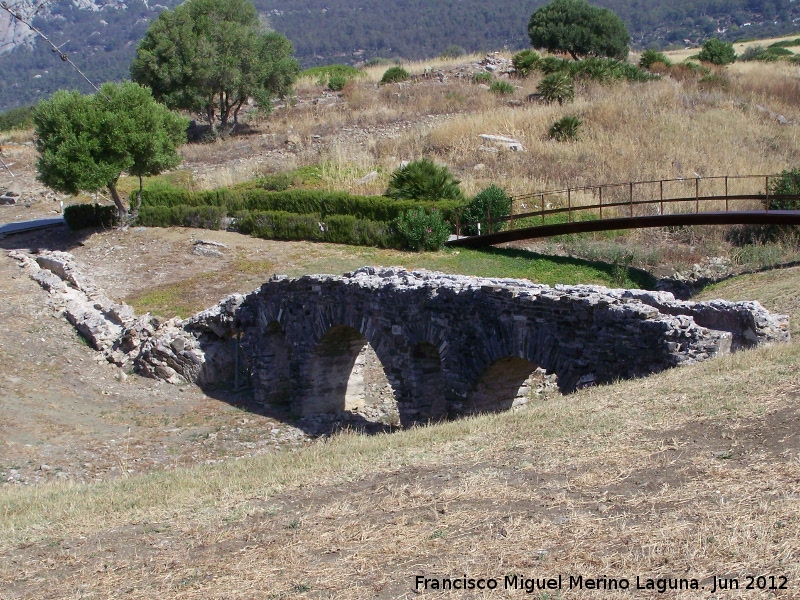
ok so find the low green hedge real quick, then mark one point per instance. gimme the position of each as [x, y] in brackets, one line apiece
[202, 217]
[337, 229]
[82, 216]
[308, 202]
[274, 225]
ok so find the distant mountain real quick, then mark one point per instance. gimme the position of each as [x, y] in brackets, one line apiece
[101, 35]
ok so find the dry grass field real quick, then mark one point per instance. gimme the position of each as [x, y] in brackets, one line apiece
[118, 487]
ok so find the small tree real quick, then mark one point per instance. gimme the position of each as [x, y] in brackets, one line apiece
[579, 29]
[424, 180]
[211, 56]
[717, 52]
[86, 142]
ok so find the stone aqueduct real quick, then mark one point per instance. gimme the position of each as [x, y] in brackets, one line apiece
[453, 344]
[412, 346]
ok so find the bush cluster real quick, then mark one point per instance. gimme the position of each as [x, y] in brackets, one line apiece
[525, 62]
[17, 118]
[565, 129]
[502, 88]
[492, 202]
[82, 216]
[420, 229]
[395, 75]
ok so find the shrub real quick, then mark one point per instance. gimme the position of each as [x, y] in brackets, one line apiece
[482, 77]
[82, 216]
[502, 88]
[420, 230]
[650, 57]
[324, 73]
[553, 64]
[525, 62]
[276, 183]
[17, 118]
[182, 215]
[557, 87]
[424, 180]
[492, 202]
[787, 184]
[713, 81]
[336, 83]
[717, 52]
[605, 70]
[453, 51]
[752, 53]
[395, 75]
[565, 129]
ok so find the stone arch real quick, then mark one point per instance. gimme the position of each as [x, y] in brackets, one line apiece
[506, 383]
[428, 382]
[345, 375]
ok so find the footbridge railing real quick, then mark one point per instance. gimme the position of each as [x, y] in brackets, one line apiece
[698, 200]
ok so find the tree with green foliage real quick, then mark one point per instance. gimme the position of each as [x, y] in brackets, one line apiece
[211, 56]
[424, 180]
[579, 29]
[717, 52]
[86, 142]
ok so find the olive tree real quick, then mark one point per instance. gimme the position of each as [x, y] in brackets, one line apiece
[579, 29]
[86, 142]
[211, 57]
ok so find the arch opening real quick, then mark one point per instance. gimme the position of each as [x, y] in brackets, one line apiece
[275, 378]
[346, 378]
[428, 383]
[509, 383]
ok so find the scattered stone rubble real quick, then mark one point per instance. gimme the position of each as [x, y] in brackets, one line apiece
[196, 350]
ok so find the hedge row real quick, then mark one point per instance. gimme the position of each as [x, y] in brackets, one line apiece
[275, 225]
[304, 202]
[81, 216]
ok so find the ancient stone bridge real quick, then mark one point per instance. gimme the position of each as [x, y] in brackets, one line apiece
[390, 345]
[438, 345]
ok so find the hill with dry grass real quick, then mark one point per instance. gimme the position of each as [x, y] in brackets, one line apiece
[113, 485]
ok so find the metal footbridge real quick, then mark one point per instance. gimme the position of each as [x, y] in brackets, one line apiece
[723, 200]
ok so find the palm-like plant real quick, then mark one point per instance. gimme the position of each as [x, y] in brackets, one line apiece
[557, 87]
[424, 180]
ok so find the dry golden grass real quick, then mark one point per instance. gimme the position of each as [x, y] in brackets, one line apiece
[630, 132]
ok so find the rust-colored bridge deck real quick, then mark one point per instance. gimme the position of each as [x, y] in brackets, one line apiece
[700, 201]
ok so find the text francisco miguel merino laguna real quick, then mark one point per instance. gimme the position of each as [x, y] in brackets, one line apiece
[579, 582]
